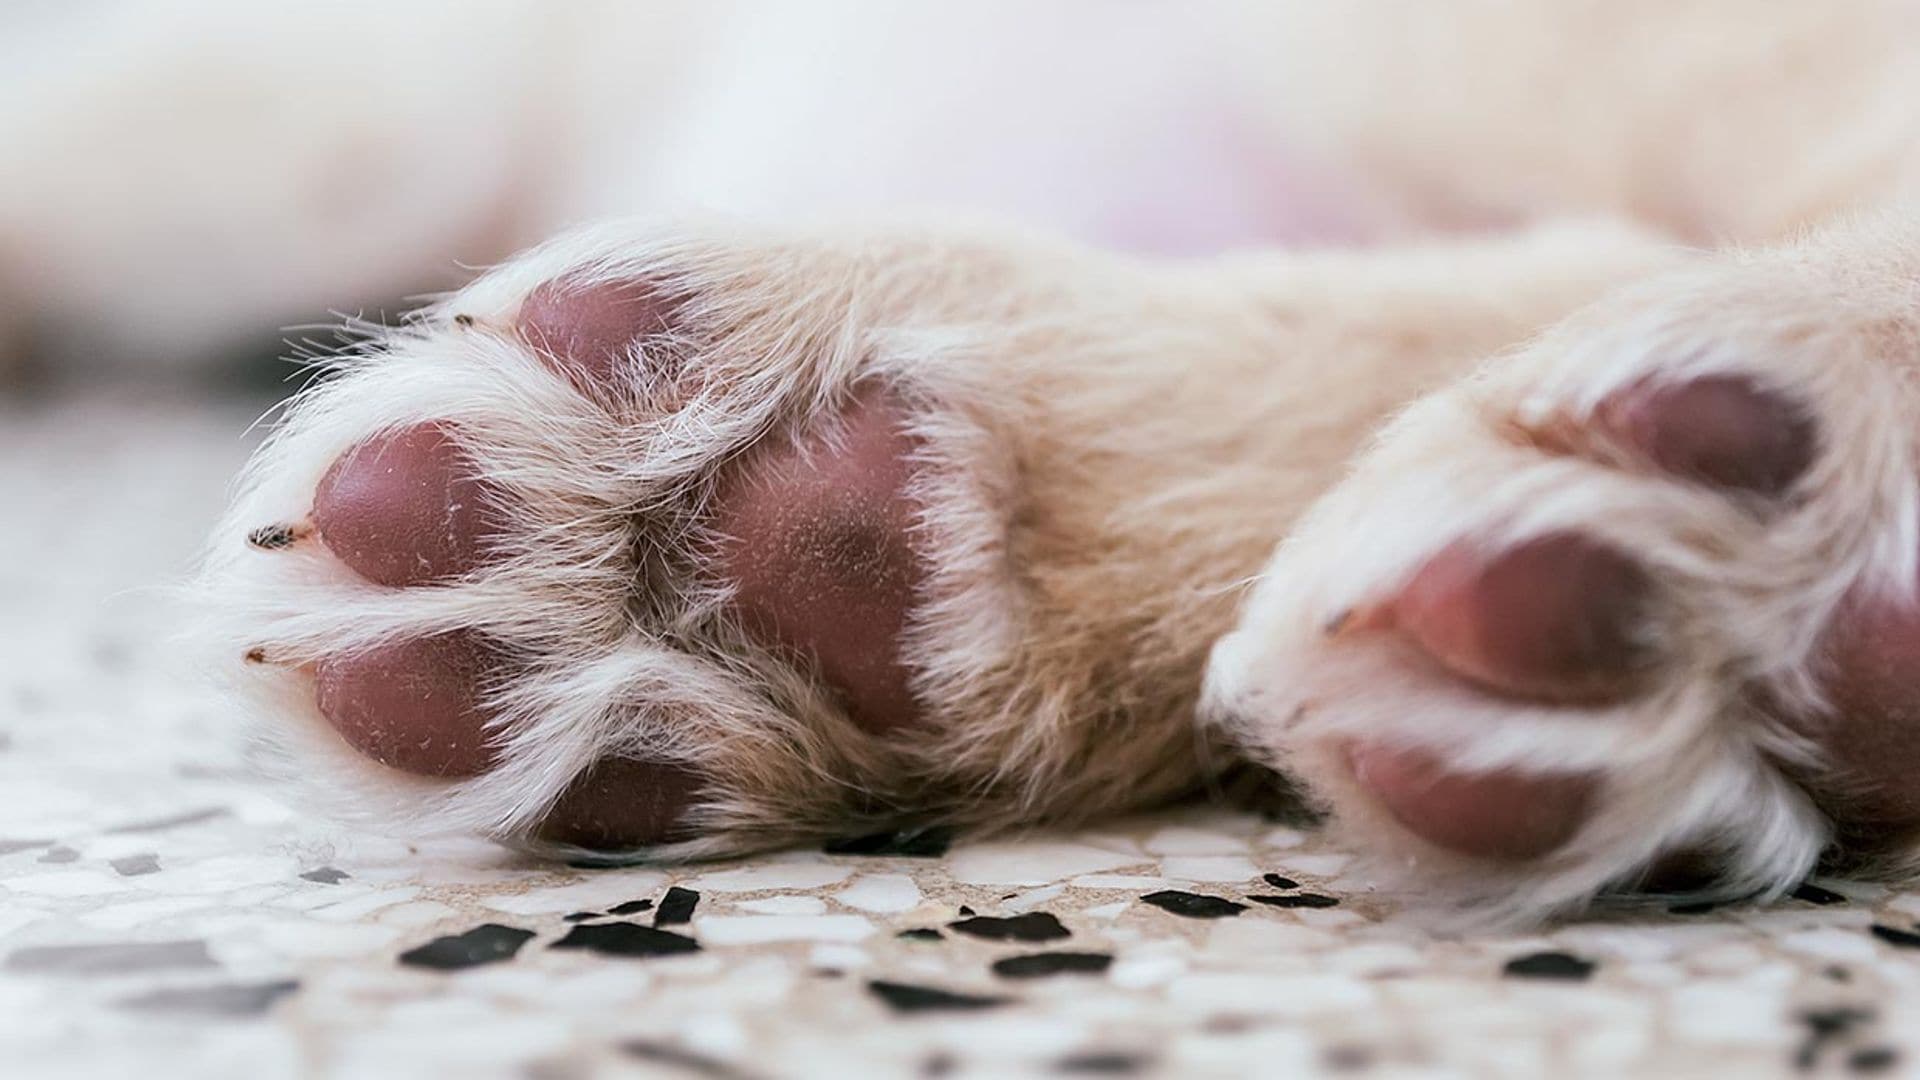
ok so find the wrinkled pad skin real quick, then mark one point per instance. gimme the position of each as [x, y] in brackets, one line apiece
[816, 543]
[414, 705]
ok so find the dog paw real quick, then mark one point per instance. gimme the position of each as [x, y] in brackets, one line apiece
[672, 543]
[1631, 609]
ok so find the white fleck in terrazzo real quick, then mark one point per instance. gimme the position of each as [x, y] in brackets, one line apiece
[161, 914]
[785, 905]
[1209, 868]
[765, 929]
[881, 893]
[781, 871]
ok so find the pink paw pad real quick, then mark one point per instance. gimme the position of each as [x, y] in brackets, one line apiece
[1721, 430]
[622, 803]
[1555, 619]
[816, 542]
[414, 705]
[815, 545]
[589, 330]
[1871, 739]
[1493, 815]
[1559, 618]
[403, 508]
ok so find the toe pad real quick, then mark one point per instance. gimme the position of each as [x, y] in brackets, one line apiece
[403, 508]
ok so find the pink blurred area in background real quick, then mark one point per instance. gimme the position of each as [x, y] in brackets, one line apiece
[182, 180]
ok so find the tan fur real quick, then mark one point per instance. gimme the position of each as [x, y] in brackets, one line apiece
[1087, 535]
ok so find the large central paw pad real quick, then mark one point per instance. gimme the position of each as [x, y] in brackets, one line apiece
[816, 547]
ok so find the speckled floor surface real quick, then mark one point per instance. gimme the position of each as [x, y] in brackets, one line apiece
[161, 914]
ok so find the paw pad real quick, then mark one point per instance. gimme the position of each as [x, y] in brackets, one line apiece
[404, 508]
[620, 804]
[1504, 814]
[817, 548]
[589, 329]
[1557, 618]
[414, 704]
[1721, 430]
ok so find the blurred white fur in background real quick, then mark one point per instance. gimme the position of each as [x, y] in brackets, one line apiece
[179, 175]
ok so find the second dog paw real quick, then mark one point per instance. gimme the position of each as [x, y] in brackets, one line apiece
[1631, 609]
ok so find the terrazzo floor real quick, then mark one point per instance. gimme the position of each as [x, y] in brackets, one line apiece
[162, 914]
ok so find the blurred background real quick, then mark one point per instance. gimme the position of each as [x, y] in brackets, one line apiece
[181, 182]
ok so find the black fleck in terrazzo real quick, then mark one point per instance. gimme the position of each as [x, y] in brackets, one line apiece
[172, 821]
[489, 943]
[921, 933]
[1040, 965]
[634, 907]
[325, 875]
[1032, 926]
[908, 998]
[1549, 965]
[680, 1060]
[1102, 1063]
[1898, 938]
[1295, 900]
[235, 1000]
[1827, 1023]
[136, 865]
[1279, 881]
[1827, 1029]
[923, 843]
[626, 939]
[1193, 905]
[1873, 1060]
[676, 907]
[1813, 894]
